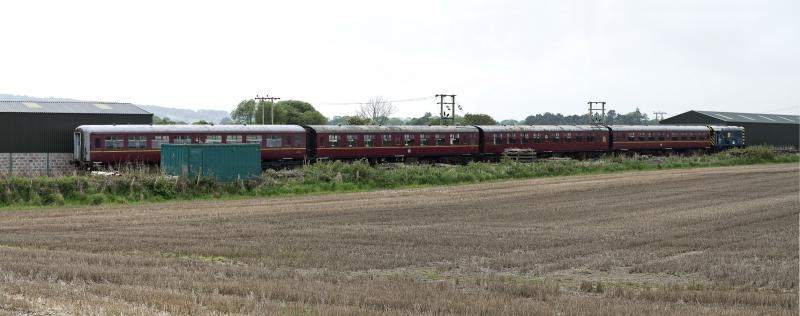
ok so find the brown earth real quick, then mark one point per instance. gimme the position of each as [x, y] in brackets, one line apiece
[701, 241]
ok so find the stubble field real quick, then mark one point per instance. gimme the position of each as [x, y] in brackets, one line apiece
[701, 241]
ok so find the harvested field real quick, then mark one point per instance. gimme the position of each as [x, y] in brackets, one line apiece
[689, 242]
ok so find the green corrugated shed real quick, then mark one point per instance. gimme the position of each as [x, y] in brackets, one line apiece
[225, 162]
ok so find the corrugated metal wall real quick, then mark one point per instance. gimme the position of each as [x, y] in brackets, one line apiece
[52, 132]
[225, 162]
[756, 133]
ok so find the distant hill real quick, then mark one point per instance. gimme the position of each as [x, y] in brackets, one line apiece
[174, 114]
[185, 115]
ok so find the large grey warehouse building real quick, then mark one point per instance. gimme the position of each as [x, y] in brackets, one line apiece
[760, 129]
[36, 137]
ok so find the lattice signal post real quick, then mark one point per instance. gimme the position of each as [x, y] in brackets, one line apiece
[450, 106]
[596, 108]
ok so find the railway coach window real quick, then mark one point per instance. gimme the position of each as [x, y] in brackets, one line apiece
[369, 140]
[157, 140]
[386, 140]
[525, 138]
[673, 136]
[590, 138]
[556, 138]
[351, 140]
[213, 139]
[233, 139]
[333, 140]
[660, 135]
[114, 142]
[578, 137]
[409, 139]
[97, 142]
[455, 139]
[567, 137]
[298, 141]
[252, 139]
[287, 141]
[182, 139]
[692, 136]
[537, 138]
[137, 142]
[641, 136]
[683, 136]
[631, 136]
[650, 136]
[497, 138]
[512, 138]
[274, 141]
[439, 139]
[423, 140]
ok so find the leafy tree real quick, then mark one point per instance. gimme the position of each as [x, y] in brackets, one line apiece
[162, 121]
[244, 112]
[420, 120]
[478, 119]
[202, 122]
[300, 113]
[395, 121]
[225, 121]
[286, 112]
[510, 122]
[612, 117]
[357, 120]
[438, 121]
[263, 113]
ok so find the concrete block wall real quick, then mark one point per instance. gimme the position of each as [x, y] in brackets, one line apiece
[36, 164]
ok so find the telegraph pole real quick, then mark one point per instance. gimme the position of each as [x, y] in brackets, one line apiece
[272, 109]
[261, 99]
[661, 114]
[451, 105]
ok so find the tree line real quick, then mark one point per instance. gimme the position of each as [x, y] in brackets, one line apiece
[378, 111]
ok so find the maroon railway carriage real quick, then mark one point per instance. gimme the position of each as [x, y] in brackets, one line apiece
[440, 143]
[660, 137]
[544, 138]
[142, 143]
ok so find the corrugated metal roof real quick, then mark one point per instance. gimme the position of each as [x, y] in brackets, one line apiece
[391, 129]
[753, 117]
[191, 128]
[81, 107]
[540, 128]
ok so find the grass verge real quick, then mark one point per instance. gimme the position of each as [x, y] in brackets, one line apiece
[339, 177]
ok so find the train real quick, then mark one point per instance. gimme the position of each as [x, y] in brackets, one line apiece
[285, 145]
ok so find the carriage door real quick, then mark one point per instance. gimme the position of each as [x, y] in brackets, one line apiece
[77, 145]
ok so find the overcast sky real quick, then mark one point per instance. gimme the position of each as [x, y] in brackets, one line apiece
[505, 58]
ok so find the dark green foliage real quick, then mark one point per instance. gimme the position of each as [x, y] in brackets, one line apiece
[612, 118]
[286, 112]
[423, 120]
[478, 119]
[341, 176]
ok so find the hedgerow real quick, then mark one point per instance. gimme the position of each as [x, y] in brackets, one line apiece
[339, 176]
